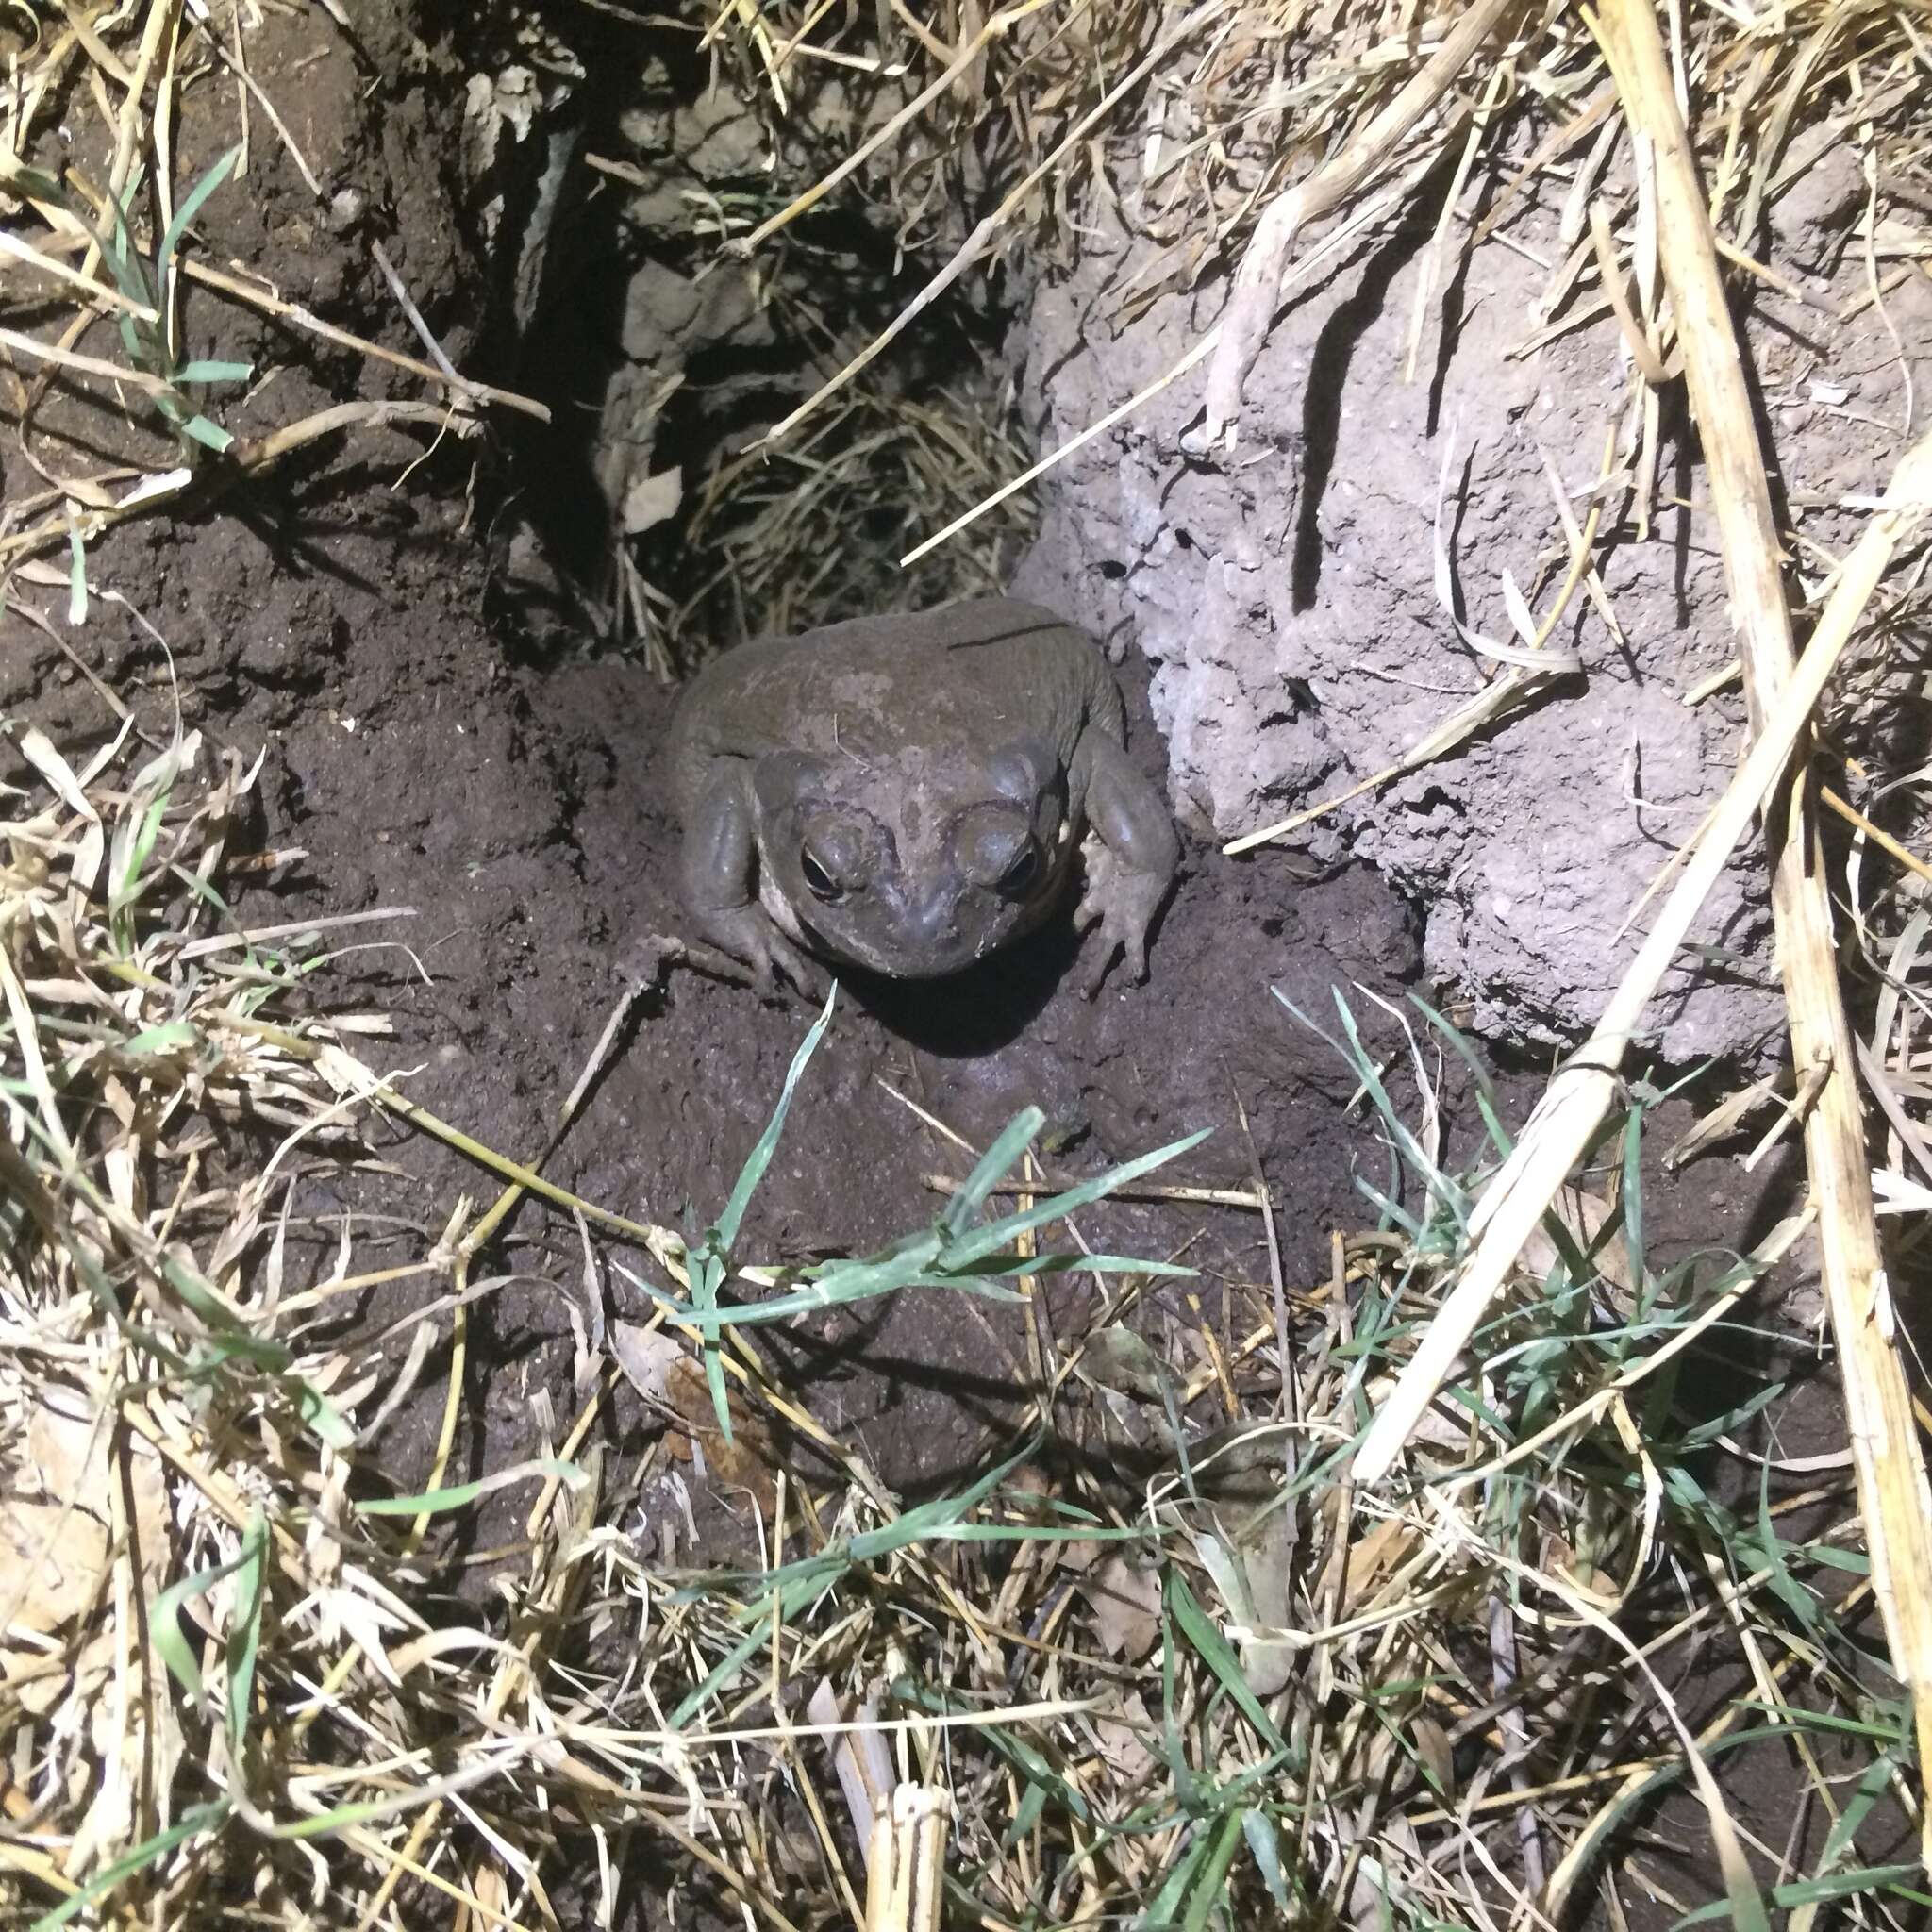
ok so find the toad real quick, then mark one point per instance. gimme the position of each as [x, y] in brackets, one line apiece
[910, 793]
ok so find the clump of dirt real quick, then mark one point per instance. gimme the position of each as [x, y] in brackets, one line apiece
[1286, 593]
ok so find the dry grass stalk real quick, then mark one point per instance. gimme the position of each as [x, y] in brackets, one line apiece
[1877, 834]
[774, 526]
[906, 1866]
[459, 387]
[990, 229]
[184, 487]
[399, 1745]
[1892, 1488]
[1257, 281]
[995, 29]
[1892, 1482]
[1322, 1660]
[1582, 1093]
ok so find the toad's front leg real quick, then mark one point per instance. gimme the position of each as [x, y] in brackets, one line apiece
[1130, 858]
[720, 878]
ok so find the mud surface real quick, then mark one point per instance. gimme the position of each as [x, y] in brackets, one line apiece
[343, 624]
[521, 814]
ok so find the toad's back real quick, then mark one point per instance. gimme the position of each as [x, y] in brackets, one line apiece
[958, 683]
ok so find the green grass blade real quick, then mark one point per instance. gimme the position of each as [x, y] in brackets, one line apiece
[707, 1278]
[160, 1039]
[1788, 1718]
[1005, 1267]
[209, 435]
[840, 1290]
[123, 258]
[710, 1265]
[752, 1171]
[1441, 1187]
[1035, 1769]
[998, 1235]
[245, 1634]
[190, 1825]
[77, 578]
[1488, 1104]
[943, 1517]
[1264, 1847]
[1027, 1813]
[1206, 1893]
[461, 1495]
[192, 206]
[1403, 1141]
[1160, 1915]
[1858, 1806]
[212, 1309]
[325, 1420]
[992, 1167]
[203, 369]
[164, 1619]
[791, 1599]
[1216, 1652]
[1631, 1201]
[1887, 1878]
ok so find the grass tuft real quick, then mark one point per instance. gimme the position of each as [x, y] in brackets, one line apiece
[1172, 1659]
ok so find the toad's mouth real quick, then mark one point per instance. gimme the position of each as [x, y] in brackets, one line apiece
[914, 960]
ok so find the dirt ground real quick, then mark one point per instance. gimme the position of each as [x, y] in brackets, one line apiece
[422, 755]
[519, 812]
[342, 618]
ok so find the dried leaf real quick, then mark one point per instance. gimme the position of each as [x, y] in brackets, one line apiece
[652, 500]
[748, 1460]
[1583, 1215]
[645, 1354]
[1117, 1358]
[55, 1556]
[1124, 1727]
[1126, 1601]
[68, 1452]
[1374, 1558]
[1432, 1747]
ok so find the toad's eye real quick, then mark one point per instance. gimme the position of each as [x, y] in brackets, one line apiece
[822, 884]
[1023, 874]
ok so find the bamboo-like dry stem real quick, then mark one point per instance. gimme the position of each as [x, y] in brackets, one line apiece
[1893, 1492]
[906, 1867]
[1781, 691]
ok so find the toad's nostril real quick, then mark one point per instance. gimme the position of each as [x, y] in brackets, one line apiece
[932, 920]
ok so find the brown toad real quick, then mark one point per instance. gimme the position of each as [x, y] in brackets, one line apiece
[910, 794]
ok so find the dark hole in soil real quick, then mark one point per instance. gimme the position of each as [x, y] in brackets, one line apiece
[618, 291]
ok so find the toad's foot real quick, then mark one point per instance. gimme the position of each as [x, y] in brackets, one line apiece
[747, 933]
[1122, 902]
